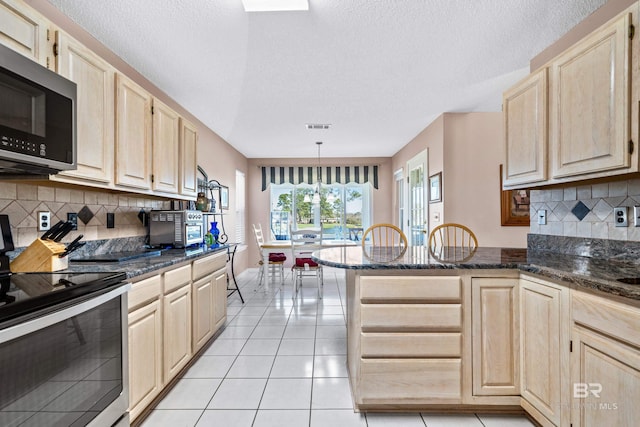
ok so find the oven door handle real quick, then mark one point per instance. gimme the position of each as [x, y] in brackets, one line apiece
[38, 323]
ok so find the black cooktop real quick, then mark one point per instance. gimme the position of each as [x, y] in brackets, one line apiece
[27, 295]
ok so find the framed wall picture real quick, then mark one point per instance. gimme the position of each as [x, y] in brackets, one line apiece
[224, 197]
[435, 188]
[514, 206]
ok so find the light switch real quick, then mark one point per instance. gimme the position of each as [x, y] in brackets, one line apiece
[636, 216]
[542, 217]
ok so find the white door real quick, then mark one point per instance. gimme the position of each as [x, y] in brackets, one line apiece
[417, 206]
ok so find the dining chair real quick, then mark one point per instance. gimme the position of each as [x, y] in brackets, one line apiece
[453, 235]
[303, 243]
[451, 242]
[276, 260]
[384, 243]
[384, 235]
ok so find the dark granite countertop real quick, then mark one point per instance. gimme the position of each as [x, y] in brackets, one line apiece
[578, 271]
[139, 266]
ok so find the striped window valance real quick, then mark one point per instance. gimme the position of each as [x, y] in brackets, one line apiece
[328, 174]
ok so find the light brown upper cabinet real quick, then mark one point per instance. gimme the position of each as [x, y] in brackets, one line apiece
[571, 120]
[526, 130]
[95, 112]
[133, 134]
[590, 103]
[188, 158]
[25, 31]
[166, 149]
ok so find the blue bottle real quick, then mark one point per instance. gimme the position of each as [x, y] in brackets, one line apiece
[215, 233]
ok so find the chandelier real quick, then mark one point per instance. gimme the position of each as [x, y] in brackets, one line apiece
[316, 195]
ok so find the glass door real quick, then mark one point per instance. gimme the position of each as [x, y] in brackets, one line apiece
[417, 208]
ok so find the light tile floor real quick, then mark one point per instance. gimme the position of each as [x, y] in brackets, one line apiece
[281, 362]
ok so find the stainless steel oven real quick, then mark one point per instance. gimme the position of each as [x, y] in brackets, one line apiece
[63, 352]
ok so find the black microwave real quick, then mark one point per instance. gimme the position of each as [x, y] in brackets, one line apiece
[37, 118]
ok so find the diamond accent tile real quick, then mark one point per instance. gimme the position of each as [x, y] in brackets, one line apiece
[602, 209]
[85, 214]
[580, 210]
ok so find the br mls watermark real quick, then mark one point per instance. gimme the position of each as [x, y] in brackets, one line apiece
[584, 390]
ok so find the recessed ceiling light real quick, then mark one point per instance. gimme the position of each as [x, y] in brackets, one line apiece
[274, 5]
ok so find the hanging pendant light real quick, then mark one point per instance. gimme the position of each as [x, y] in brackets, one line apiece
[316, 195]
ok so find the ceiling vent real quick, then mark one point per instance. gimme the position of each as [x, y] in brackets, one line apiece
[317, 126]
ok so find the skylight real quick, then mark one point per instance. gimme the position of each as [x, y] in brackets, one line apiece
[274, 5]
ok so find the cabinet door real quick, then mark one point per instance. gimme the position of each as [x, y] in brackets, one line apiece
[605, 378]
[145, 356]
[133, 134]
[25, 31]
[219, 298]
[494, 314]
[526, 131]
[166, 148]
[188, 158]
[541, 336]
[591, 102]
[95, 112]
[177, 331]
[203, 311]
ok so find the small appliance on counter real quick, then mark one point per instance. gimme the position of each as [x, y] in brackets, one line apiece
[176, 228]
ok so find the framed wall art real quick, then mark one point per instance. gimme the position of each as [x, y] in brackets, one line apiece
[514, 206]
[435, 188]
[224, 197]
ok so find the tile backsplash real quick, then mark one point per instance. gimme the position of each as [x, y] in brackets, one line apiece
[586, 210]
[23, 201]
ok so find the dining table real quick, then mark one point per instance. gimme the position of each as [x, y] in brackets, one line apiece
[284, 246]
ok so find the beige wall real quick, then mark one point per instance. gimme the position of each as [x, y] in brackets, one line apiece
[431, 139]
[258, 200]
[467, 148]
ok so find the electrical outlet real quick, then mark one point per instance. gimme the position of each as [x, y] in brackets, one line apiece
[542, 216]
[73, 217]
[620, 216]
[111, 220]
[44, 221]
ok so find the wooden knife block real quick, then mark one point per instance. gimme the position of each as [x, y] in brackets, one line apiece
[40, 256]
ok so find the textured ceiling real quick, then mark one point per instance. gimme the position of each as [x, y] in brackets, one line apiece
[378, 70]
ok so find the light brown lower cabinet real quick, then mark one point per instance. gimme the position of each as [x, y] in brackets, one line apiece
[145, 356]
[172, 315]
[470, 339]
[544, 350]
[405, 345]
[495, 337]
[605, 362]
[209, 294]
[177, 331]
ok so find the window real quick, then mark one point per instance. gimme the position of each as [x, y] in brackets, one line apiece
[343, 211]
[240, 207]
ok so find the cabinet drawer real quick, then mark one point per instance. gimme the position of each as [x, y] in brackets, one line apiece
[607, 316]
[411, 317]
[175, 278]
[208, 265]
[416, 345]
[416, 288]
[410, 381]
[144, 290]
